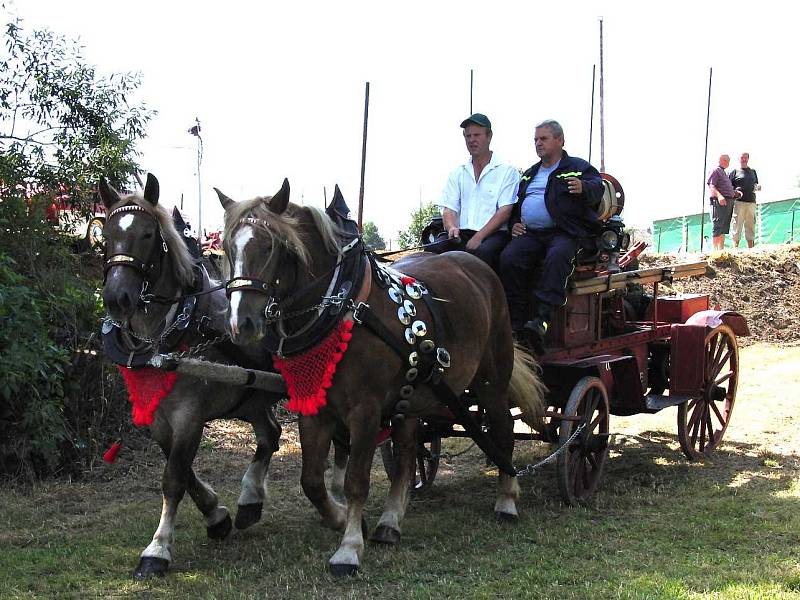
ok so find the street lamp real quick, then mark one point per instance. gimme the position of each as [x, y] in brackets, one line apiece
[195, 131]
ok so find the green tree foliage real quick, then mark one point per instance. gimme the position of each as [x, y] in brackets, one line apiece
[419, 219]
[372, 238]
[61, 128]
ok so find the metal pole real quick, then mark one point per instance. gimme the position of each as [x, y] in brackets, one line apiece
[705, 162]
[363, 156]
[602, 119]
[470, 90]
[591, 114]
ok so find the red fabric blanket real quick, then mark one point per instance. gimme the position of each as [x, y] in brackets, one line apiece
[309, 375]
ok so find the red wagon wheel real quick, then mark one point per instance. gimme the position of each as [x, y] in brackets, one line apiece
[580, 466]
[702, 421]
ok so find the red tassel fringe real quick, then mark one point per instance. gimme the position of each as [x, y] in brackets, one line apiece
[147, 386]
[309, 375]
[405, 280]
[110, 455]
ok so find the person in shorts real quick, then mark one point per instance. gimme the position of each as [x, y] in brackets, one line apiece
[722, 199]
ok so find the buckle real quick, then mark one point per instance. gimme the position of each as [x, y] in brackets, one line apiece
[358, 311]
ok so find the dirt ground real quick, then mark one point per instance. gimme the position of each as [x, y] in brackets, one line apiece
[763, 284]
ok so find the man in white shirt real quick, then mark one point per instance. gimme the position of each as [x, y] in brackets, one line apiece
[477, 200]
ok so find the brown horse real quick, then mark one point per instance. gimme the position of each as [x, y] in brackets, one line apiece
[159, 298]
[432, 326]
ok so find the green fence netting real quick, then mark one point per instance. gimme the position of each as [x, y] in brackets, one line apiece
[776, 223]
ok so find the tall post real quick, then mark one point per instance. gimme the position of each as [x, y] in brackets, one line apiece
[470, 90]
[591, 114]
[195, 131]
[705, 161]
[602, 117]
[363, 157]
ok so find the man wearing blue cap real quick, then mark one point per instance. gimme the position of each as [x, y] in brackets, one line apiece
[477, 200]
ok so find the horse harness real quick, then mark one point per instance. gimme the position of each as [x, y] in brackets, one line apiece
[185, 322]
[350, 280]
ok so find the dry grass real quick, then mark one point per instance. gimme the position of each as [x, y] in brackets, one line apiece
[659, 527]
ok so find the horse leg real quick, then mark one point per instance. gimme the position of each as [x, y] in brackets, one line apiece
[315, 443]
[404, 441]
[501, 431]
[179, 452]
[340, 455]
[256, 479]
[364, 425]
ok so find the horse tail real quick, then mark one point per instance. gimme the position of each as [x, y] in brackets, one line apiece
[527, 389]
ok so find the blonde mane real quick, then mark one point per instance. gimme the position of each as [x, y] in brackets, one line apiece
[284, 227]
[182, 261]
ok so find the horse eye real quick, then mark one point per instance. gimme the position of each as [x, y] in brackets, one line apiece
[147, 236]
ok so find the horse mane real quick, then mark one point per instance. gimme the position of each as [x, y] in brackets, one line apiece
[284, 227]
[182, 262]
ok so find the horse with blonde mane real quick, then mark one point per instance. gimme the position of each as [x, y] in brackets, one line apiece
[366, 346]
[159, 299]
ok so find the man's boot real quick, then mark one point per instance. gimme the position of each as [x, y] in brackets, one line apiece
[539, 325]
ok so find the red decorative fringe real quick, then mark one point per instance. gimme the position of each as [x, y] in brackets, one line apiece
[146, 387]
[110, 455]
[309, 375]
[406, 279]
[383, 435]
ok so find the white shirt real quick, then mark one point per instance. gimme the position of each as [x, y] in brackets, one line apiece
[477, 201]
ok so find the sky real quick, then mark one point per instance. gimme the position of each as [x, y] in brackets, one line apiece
[279, 89]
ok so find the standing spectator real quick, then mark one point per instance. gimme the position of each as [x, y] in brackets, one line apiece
[477, 199]
[722, 197]
[744, 180]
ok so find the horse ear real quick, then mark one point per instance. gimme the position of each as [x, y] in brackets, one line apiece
[151, 189]
[108, 194]
[224, 200]
[280, 201]
[177, 219]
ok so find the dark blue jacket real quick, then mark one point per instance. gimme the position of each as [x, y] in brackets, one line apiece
[575, 214]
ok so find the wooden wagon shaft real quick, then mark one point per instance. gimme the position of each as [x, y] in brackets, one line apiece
[642, 276]
[229, 374]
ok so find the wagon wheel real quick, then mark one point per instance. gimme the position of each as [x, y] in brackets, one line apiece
[580, 466]
[94, 233]
[428, 453]
[702, 421]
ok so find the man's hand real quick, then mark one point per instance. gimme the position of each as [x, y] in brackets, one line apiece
[574, 185]
[518, 229]
[453, 232]
[722, 201]
[474, 242]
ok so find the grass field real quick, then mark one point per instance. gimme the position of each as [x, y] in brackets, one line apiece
[659, 527]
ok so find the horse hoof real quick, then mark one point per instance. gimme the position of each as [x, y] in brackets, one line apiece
[221, 530]
[343, 570]
[384, 534]
[503, 517]
[248, 514]
[150, 566]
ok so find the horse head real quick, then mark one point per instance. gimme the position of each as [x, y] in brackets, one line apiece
[274, 248]
[139, 234]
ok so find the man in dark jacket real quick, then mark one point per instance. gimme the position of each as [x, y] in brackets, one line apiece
[556, 206]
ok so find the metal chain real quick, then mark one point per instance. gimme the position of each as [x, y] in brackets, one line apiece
[155, 342]
[202, 346]
[529, 469]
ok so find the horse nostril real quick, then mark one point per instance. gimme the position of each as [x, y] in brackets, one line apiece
[126, 303]
[247, 326]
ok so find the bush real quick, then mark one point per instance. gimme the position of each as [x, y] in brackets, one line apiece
[52, 384]
[419, 219]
